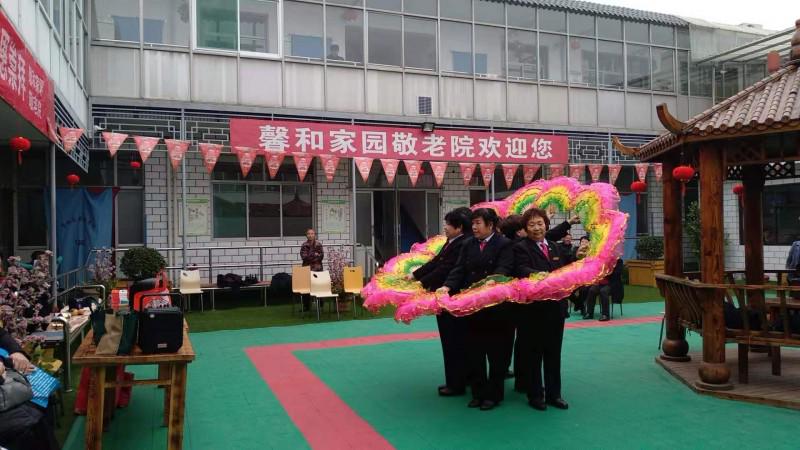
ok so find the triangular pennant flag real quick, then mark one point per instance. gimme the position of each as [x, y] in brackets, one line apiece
[576, 171]
[413, 168]
[69, 137]
[556, 170]
[509, 170]
[641, 170]
[467, 170]
[529, 171]
[210, 153]
[114, 141]
[595, 170]
[364, 165]
[390, 169]
[658, 170]
[329, 163]
[52, 131]
[303, 162]
[439, 169]
[613, 172]
[487, 170]
[145, 145]
[274, 161]
[247, 157]
[176, 149]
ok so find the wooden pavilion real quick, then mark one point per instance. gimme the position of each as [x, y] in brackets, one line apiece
[755, 136]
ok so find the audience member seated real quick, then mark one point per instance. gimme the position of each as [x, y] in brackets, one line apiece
[603, 289]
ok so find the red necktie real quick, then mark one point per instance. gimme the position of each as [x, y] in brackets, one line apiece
[543, 246]
[482, 245]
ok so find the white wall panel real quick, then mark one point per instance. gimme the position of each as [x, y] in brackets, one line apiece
[214, 79]
[416, 86]
[553, 103]
[698, 105]
[523, 105]
[490, 100]
[166, 75]
[611, 107]
[114, 72]
[683, 108]
[43, 42]
[637, 111]
[302, 86]
[672, 106]
[260, 82]
[582, 106]
[384, 92]
[345, 89]
[457, 98]
[26, 26]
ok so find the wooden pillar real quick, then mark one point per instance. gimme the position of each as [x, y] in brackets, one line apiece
[753, 181]
[674, 346]
[714, 373]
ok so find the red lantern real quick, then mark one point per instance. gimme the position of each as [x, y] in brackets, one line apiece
[19, 144]
[684, 174]
[136, 165]
[72, 180]
[739, 191]
[638, 187]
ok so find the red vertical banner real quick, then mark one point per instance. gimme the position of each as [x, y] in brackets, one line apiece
[439, 169]
[576, 171]
[595, 170]
[274, 161]
[413, 168]
[390, 168]
[364, 166]
[658, 170]
[641, 170]
[247, 157]
[509, 170]
[210, 154]
[467, 170]
[556, 170]
[114, 141]
[176, 150]
[529, 171]
[69, 136]
[487, 170]
[613, 172]
[303, 162]
[145, 145]
[329, 164]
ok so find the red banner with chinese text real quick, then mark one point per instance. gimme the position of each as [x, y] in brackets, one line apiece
[487, 170]
[467, 170]
[641, 171]
[69, 136]
[274, 161]
[145, 145]
[413, 168]
[613, 172]
[439, 169]
[595, 170]
[576, 171]
[556, 170]
[658, 170]
[210, 153]
[247, 157]
[303, 162]
[329, 163]
[390, 168]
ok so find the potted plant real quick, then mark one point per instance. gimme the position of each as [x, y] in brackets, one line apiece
[336, 264]
[25, 297]
[641, 272]
[102, 270]
[139, 263]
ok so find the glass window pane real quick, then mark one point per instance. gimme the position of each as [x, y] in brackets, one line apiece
[553, 57]
[302, 24]
[552, 20]
[420, 7]
[345, 39]
[638, 66]
[581, 24]
[113, 19]
[700, 84]
[456, 9]
[166, 22]
[130, 211]
[228, 169]
[31, 222]
[58, 11]
[636, 32]
[265, 210]
[781, 209]
[230, 211]
[392, 5]
[297, 210]
[582, 61]
[663, 69]
[127, 175]
[420, 43]
[216, 24]
[683, 72]
[753, 73]
[521, 16]
[663, 35]
[347, 2]
[683, 38]
[609, 28]
[727, 82]
[258, 26]
[490, 12]
[456, 47]
[384, 35]
[611, 69]
[490, 51]
[522, 54]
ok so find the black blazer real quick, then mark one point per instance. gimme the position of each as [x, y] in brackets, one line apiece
[528, 258]
[474, 265]
[433, 273]
[615, 282]
[558, 232]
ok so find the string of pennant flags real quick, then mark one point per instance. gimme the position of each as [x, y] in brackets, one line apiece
[210, 153]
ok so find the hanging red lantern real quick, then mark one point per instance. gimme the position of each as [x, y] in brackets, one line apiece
[136, 165]
[72, 180]
[684, 174]
[19, 144]
[638, 187]
[739, 191]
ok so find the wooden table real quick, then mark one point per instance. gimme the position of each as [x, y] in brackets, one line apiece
[171, 375]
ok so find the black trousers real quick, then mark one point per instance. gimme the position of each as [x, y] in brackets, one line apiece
[542, 332]
[453, 334]
[490, 336]
[591, 297]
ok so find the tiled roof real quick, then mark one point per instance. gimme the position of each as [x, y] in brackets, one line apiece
[603, 10]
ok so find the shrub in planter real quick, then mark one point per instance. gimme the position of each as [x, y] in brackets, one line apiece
[139, 263]
[650, 247]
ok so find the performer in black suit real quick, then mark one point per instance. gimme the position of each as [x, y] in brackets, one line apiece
[541, 325]
[490, 332]
[452, 330]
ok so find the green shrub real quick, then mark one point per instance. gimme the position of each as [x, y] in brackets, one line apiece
[142, 262]
[650, 247]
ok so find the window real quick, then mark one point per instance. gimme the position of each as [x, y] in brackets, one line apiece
[611, 71]
[490, 12]
[130, 204]
[58, 17]
[636, 32]
[552, 20]
[609, 28]
[663, 69]
[264, 204]
[522, 54]
[217, 24]
[166, 22]
[384, 38]
[582, 61]
[781, 209]
[230, 210]
[490, 53]
[31, 221]
[345, 35]
[296, 209]
[553, 57]
[727, 82]
[683, 72]
[683, 38]
[456, 47]
[419, 42]
[581, 24]
[521, 16]
[753, 73]
[258, 26]
[456, 9]
[302, 24]
[392, 5]
[638, 66]
[662, 35]
[427, 7]
[116, 20]
[347, 2]
[70, 47]
[700, 84]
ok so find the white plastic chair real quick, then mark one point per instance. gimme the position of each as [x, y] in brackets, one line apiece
[321, 288]
[190, 284]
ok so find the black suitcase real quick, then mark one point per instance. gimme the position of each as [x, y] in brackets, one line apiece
[161, 330]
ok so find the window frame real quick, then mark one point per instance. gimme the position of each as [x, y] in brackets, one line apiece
[238, 51]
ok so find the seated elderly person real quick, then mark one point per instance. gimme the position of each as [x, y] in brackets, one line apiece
[603, 289]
